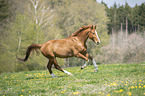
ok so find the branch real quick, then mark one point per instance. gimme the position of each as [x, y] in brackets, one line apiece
[47, 20]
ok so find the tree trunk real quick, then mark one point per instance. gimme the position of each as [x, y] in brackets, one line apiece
[138, 27]
[121, 28]
[113, 38]
[126, 29]
[20, 41]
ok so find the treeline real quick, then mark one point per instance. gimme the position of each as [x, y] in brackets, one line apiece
[37, 21]
[126, 18]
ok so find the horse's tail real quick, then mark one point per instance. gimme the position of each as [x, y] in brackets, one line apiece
[29, 50]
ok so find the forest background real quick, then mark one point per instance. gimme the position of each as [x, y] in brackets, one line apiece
[120, 28]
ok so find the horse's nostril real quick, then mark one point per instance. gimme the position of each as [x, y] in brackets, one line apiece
[98, 43]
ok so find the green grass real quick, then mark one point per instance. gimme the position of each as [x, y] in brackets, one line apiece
[111, 80]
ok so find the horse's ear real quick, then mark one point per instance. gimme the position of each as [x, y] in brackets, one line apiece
[92, 27]
[95, 26]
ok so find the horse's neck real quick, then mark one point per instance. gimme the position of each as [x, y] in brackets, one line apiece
[83, 36]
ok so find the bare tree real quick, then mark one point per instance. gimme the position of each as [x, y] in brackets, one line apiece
[41, 13]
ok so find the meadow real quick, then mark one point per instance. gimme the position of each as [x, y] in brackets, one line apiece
[110, 80]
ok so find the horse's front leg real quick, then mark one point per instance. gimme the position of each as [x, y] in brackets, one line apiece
[83, 57]
[94, 63]
[92, 59]
[86, 62]
[84, 65]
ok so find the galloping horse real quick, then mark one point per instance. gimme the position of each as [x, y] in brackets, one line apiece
[72, 46]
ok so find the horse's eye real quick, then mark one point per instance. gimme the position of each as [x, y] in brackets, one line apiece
[93, 33]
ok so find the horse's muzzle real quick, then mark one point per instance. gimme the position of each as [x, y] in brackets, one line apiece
[97, 42]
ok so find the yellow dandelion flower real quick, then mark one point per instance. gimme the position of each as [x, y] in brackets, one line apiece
[114, 84]
[99, 92]
[74, 93]
[62, 92]
[108, 95]
[29, 91]
[129, 93]
[120, 90]
[144, 86]
[140, 80]
[22, 90]
[132, 87]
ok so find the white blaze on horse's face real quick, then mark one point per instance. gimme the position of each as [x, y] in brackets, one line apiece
[98, 40]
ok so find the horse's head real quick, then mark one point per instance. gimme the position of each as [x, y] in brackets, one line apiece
[93, 35]
[90, 30]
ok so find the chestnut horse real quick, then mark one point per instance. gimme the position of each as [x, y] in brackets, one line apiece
[72, 46]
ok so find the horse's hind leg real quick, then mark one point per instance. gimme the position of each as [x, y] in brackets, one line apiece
[59, 68]
[49, 66]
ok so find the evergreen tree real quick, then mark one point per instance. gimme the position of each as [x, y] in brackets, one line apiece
[135, 18]
[142, 16]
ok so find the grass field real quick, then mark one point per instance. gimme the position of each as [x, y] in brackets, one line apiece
[111, 80]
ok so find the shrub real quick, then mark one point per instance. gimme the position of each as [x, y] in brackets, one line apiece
[123, 50]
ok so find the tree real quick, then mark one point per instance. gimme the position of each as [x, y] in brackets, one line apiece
[41, 13]
[23, 32]
[135, 18]
[142, 16]
[112, 14]
[5, 21]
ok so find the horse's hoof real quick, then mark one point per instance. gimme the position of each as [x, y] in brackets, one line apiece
[82, 67]
[53, 76]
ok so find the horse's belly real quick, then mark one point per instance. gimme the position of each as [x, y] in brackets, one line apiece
[63, 53]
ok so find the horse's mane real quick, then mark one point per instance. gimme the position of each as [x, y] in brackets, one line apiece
[80, 30]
